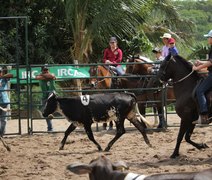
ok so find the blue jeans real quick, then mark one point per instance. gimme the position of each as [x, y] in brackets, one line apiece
[204, 87]
[48, 121]
[3, 120]
[120, 70]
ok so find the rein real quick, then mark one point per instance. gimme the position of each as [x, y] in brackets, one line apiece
[99, 81]
[182, 79]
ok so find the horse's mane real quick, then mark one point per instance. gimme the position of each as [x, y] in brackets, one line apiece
[186, 63]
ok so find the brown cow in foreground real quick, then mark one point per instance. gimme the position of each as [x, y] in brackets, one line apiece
[103, 169]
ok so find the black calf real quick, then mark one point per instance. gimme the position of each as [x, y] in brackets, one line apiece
[84, 110]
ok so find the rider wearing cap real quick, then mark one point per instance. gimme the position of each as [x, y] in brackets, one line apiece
[113, 56]
[172, 48]
[205, 85]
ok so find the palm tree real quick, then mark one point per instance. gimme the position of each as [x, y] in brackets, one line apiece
[99, 19]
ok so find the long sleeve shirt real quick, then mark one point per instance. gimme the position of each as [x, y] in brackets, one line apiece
[173, 51]
[114, 56]
[165, 51]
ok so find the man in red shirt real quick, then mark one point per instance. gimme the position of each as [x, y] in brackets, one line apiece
[113, 56]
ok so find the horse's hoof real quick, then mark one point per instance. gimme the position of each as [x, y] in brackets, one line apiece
[8, 148]
[203, 146]
[173, 156]
[150, 145]
[61, 148]
[99, 149]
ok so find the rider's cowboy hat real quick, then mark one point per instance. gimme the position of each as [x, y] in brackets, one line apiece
[166, 35]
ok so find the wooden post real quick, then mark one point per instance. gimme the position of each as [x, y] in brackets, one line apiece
[78, 82]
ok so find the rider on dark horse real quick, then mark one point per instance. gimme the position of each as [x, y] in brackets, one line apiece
[205, 85]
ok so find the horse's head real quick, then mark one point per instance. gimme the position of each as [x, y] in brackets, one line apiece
[50, 106]
[164, 73]
[140, 66]
[100, 77]
[93, 72]
[176, 68]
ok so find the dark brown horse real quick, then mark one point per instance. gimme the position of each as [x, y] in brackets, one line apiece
[184, 82]
[159, 98]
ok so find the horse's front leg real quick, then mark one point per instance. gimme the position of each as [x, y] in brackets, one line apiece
[188, 138]
[71, 128]
[181, 133]
[162, 122]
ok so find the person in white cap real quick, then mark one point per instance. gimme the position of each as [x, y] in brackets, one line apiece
[205, 84]
[165, 48]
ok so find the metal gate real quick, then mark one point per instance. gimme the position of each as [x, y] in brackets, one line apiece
[18, 95]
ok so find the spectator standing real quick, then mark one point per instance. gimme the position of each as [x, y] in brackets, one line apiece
[47, 84]
[165, 48]
[113, 56]
[4, 98]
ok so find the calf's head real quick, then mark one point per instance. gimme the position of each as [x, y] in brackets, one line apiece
[100, 168]
[50, 106]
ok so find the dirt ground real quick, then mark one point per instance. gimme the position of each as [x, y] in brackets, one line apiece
[38, 157]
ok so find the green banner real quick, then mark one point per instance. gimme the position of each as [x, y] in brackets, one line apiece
[61, 72]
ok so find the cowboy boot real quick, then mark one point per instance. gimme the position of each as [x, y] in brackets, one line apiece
[203, 119]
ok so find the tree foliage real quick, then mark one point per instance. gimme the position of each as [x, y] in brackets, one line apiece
[62, 30]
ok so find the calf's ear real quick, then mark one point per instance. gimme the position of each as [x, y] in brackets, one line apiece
[79, 168]
[120, 165]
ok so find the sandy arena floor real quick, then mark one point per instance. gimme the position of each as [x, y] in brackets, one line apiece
[38, 157]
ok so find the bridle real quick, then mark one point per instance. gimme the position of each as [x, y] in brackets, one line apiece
[103, 79]
[178, 81]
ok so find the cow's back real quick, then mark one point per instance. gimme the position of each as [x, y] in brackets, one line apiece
[100, 107]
